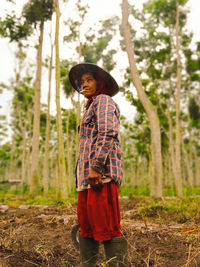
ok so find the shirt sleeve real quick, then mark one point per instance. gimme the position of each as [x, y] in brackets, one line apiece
[108, 127]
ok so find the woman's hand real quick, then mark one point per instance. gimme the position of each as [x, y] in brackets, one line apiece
[95, 180]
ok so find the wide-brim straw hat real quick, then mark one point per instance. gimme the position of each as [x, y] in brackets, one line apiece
[78, 70]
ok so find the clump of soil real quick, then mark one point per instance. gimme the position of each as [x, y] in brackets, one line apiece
[40, 236]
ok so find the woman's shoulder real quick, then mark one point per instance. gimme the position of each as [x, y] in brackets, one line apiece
[103, 98]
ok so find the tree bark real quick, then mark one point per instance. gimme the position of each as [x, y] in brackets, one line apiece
[197, 169]
[22, 126]
[23, 155]
[79, 102]
[171, 143]
[77, 124]
[178, 178]
[12, 163]
[57, 184]
[47, 132]
[61, 157]
[29, 145]
[189, 169]
[156, 185]
[69, 155]
[191, 152]
[36, 120]
[190, 157]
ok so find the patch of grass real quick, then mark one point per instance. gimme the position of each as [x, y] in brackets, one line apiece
[179, 210]
[4, 187]
[194, 191]
[16, 197]
[40, 200]
[175, 204]
[134, 191]
[187, 191]
[167, 191]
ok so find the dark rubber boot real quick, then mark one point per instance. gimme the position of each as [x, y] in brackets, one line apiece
[89, 251]
[117, 249]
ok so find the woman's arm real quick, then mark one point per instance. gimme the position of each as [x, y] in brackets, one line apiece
[108, 127]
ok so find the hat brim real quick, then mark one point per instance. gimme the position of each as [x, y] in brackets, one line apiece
[78, 70]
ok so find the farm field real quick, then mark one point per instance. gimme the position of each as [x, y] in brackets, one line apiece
[39, 235]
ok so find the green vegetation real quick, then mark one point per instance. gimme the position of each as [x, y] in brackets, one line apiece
[17, 195]
[134, 191]
[169, 207]
[167, 191]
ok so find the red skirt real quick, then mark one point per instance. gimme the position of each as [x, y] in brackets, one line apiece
[99, 213]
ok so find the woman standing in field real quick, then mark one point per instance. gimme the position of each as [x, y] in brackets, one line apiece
[99, 167]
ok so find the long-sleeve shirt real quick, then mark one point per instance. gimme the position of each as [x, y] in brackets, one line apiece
[99, 146]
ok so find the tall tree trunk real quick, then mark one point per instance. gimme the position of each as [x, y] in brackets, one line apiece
[61, 157]
[69, 155]
[12, 169]
[190, 154]
[197, 169]
[191, 159]
[77, 125]
[12, 163]
[29, 145]
[23, 155]
[47, 132]
[78, 104]
[57, 182]
[171, 143]
[156, 186]
[36, 120]
[189, 169]
[178, 178]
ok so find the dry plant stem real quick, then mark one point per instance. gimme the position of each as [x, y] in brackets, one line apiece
[8, 256]
[148, 258]
[191, 258]
[189, 253]
[147, 261]
[32, 262]
[145, 222]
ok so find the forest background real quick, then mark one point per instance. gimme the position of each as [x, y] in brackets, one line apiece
[160, 81]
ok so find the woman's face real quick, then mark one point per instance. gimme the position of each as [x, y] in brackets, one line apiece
[88, 85]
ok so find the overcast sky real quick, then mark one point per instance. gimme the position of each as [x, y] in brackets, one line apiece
[99, 9]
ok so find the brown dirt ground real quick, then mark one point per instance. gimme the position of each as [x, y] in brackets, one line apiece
[40, 236]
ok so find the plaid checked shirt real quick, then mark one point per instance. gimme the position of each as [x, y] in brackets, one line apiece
[99, 146]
